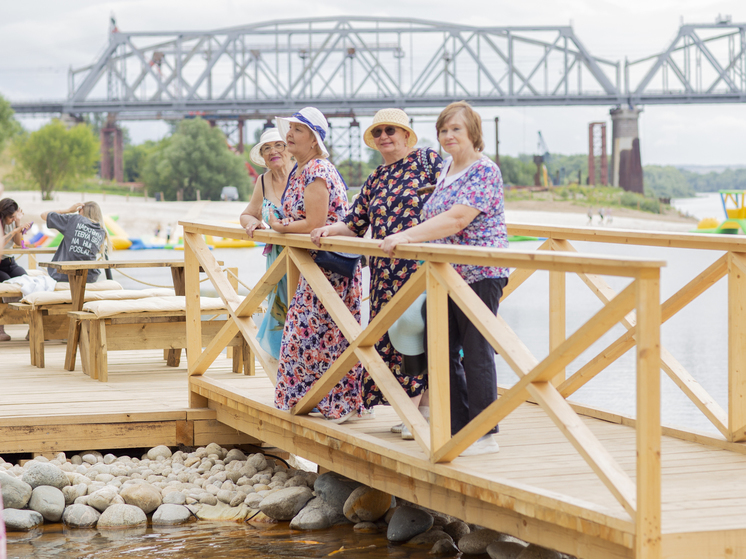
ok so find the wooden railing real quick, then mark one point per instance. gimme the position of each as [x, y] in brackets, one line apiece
[732, 264]
[437, 277]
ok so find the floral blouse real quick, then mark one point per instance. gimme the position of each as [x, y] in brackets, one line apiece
[481, 187]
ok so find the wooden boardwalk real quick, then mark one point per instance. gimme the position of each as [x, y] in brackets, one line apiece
[537, 487]
[145, 403]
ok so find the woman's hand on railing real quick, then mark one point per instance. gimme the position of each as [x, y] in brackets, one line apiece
[319, 232]
[388, 244]
[279, 225]
[253, 225]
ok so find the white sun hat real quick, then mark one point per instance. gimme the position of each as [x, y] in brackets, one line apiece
[393, 117]
[311, 117]
[407, 334]
[269, 136]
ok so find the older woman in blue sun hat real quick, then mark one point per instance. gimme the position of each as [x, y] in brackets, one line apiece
[315, 196]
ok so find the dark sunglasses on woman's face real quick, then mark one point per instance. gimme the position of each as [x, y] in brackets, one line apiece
[390, 131]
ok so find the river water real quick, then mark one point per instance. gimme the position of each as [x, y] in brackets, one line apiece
[697, 337]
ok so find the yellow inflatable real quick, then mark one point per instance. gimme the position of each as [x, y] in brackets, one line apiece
[221, 242]
[119, 238]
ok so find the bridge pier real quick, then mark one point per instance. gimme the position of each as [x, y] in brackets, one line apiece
[626, 164]
[112, 150]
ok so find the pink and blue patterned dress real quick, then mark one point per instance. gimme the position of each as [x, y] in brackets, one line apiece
[389, 203]
[480, 186]
[311, 341]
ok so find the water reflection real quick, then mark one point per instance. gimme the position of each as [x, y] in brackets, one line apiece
[212, 540]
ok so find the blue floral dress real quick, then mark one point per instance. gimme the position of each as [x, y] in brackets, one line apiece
[269, 335]
[311, 341]
[389, 203]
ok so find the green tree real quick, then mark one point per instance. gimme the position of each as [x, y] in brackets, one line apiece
[666, 182]
[8, 125]
[55, 154]
[517, 172]
[196, 157]
[135, 158]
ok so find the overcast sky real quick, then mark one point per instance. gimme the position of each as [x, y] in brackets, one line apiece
[40, 40]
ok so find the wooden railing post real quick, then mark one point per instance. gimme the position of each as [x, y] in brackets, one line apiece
[737, 346]
[193, 314]
[557, 316]
[31, 261]
[438, 364]
[648, 514]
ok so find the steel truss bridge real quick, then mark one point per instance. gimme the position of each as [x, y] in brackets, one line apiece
[355, 65]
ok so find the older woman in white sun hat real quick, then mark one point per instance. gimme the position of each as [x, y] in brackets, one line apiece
[270, 152]
[390, 201]
[315, 196]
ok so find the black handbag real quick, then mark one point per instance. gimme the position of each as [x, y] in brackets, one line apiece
[342, 263]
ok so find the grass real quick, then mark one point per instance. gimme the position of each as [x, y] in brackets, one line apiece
[609, 196]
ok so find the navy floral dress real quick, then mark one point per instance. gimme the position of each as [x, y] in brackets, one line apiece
[389, 203]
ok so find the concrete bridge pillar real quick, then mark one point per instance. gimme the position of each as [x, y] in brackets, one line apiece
[626, 165]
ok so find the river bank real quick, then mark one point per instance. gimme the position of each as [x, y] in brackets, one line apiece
[141, 218]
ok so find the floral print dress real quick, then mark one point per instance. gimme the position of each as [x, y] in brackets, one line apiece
[389, 203]
[311, 341]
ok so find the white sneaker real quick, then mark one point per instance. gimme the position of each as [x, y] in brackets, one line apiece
[484, 445]
[342, 419]
[397, 428]
[406, 434]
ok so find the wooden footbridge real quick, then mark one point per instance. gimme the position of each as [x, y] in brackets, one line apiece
[581, 480]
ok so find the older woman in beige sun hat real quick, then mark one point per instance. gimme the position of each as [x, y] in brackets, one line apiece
[389, 202]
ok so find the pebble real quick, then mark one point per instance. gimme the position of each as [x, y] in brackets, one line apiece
[80, 516]
[15, 492]
[456, 529]
[41, 473]
[316, 515]
[22, 520]
[366, 504]
[121, 516]
[407, 522]
[475, 543]
[145, 496]
[284, 504]
[444, 548]
[47, 501]
[171, 515]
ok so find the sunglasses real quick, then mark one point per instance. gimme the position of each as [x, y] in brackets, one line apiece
[390, 131]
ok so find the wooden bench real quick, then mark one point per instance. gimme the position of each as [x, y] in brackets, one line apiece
[148, 330]
[50, 321]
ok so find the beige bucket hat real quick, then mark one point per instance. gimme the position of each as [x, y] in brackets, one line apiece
[394, 117]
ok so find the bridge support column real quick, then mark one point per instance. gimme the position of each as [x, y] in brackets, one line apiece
[112, 151]
[626, 164]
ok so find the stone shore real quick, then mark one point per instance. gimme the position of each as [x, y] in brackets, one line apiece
[165, 488]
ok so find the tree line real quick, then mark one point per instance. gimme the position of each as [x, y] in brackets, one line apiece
[196, 157]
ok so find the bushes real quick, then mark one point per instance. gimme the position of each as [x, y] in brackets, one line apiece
[639, 202]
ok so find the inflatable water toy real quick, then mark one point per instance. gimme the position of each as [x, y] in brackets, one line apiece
[734, 206]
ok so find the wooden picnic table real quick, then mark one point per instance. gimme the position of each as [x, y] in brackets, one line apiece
[30, 253]
[77, 273]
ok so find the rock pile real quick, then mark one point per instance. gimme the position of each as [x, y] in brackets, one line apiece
[90, 490]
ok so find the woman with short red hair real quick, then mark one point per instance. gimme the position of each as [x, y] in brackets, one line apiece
[466, 208]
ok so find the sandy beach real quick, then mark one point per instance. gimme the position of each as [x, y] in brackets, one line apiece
[141, 218]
